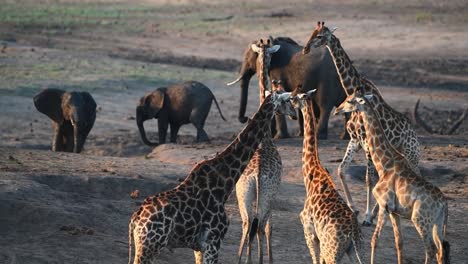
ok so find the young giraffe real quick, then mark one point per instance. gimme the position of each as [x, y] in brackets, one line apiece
[398, 127]
[260, 180]
[400, 191]
[192, 214]
[331, 228]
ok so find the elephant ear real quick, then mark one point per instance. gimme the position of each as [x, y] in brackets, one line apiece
[155, 100]
[49, 102]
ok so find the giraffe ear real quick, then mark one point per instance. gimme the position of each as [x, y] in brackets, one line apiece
[255, 48]
[311, 92]
[267, 93]
[333, 29]
[285, 96]
[274, 49]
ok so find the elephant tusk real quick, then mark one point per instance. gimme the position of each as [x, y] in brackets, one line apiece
[234, 82]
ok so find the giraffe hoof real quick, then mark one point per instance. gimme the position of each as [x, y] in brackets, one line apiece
[366, 223]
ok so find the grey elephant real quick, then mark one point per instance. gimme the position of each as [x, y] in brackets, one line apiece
[290, 68]
[73, 115]
[176, 105]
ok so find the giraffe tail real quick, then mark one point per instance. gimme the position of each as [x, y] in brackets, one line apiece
[253, 230]
[446, 252]
[357, 249]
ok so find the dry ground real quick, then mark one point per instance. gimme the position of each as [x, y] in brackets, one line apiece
[69, 208]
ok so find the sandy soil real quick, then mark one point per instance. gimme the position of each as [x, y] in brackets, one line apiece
[75, 208]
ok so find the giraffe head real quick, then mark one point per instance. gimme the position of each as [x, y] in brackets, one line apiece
[264, 48]
[299, 96]
[368, 91]
[321, 36]
[281, 103]
[357, 101]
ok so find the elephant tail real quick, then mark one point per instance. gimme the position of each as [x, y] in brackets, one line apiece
[219, 109]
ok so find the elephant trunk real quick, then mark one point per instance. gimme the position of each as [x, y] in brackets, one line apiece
[245, 80]
[141, 129]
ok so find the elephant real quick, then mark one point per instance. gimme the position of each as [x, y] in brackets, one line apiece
[73, 115]
[176, 105]
[290, 68]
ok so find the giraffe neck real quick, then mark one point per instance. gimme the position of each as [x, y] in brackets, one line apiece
[263, 79]
[220, 174]
[349, 76]
[383, 154]
[310, 158]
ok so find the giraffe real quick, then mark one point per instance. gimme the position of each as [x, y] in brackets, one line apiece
[398, 127]
[192, 215]
[260, 180]
[331, 229]
[400, 190]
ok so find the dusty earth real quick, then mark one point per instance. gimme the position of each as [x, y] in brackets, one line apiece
[75, 208]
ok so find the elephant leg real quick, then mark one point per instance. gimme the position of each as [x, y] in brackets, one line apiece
[281, 127]
[68, 135]
[57, 142]
[201, 134]
[323, 123]
[345, 134]
[162, 129]
[174, 132]
[197, 118]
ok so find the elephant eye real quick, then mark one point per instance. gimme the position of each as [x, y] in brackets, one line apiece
[319, 36]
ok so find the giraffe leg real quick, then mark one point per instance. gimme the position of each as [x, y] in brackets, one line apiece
[245, 192]
[395, 219]
[424, 232]
[370, 174]
[353, 146]
[198, 257]
[438, 235]
[245, 233]
[268, 231]
[311, 238]
[378, 229]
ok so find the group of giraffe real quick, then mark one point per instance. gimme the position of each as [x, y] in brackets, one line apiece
[192, 214]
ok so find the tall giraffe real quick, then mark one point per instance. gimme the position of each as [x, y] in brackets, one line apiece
[260, 180]
[331, 229]
[192, 215]
[401, 191]
[398, 127]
